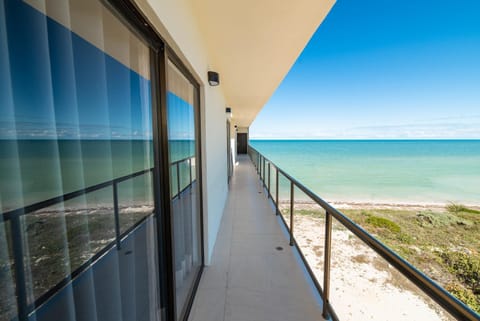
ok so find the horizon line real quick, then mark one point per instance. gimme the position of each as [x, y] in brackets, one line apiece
[372, 138]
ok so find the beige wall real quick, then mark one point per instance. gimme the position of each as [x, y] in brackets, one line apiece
[174, 21]
[243, 130]
[254, 43]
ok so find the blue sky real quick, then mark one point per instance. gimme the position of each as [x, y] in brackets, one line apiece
[383, 69]
[57, 85]
[54, 84]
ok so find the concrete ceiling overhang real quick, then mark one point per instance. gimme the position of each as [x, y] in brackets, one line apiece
[253, 45]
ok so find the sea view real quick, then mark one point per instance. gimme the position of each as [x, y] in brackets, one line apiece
[235, 160]
[412, 172]
[418, 197]
[382, 171]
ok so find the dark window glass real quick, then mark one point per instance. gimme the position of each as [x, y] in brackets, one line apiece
[75, 106]
[181, 111]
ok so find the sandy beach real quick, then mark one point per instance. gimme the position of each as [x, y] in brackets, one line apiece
[363, 285]
[360, 205]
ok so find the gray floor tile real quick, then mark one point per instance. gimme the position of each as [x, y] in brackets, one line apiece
[250, 279]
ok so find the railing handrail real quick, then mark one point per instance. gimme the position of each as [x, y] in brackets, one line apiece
[181, 160]
[68, 196]
[450, 303]
[8, 215]
[17, 233]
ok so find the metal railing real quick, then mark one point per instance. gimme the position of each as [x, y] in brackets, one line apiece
[177, 165]
[442, 297]
[18, 237]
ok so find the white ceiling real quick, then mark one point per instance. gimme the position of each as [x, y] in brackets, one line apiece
[254, 43]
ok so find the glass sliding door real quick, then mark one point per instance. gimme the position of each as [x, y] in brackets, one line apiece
[78, 236]
[182, 114]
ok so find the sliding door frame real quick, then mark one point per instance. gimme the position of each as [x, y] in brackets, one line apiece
[169, 55]
[130, 13]
[161, 53]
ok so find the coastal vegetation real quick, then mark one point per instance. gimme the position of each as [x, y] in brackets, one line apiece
[443, 243]
[58, 242]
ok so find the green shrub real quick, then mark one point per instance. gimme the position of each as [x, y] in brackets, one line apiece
[454, 208]
[439, 219]
[381, 222]
[464, 295]
[458, 208]
[465, 267]
[365, 213]
[405, 238]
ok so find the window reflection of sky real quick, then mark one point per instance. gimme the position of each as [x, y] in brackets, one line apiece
[58, 85]
[181, 124]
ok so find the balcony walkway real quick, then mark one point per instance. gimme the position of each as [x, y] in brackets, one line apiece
[249, 279]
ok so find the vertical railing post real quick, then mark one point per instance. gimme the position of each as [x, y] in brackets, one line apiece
[277, 212]
[263, 176]
[191, 175]
[292, 202]
[262, 159]
[190, 167]
[259, 158]
[268, 194]
[20, 284]
[116, 215]
[178, 179]
[326, 264]
[259, 167]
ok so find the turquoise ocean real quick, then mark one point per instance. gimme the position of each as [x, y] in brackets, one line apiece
[382, 171]
[373, 171]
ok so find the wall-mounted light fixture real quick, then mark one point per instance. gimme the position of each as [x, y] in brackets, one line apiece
[228, 111]
[213, 78]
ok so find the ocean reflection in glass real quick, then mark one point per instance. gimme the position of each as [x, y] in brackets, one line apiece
[75, 108]
[181, 110]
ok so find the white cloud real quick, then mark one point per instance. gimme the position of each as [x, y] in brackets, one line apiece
[43, 130]
[406, 131]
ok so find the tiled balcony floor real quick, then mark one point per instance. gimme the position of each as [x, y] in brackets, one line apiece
[249, 279]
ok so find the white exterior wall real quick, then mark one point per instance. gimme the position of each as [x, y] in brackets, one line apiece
[174, 21]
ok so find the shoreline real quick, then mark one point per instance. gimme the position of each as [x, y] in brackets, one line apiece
[365, 205]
